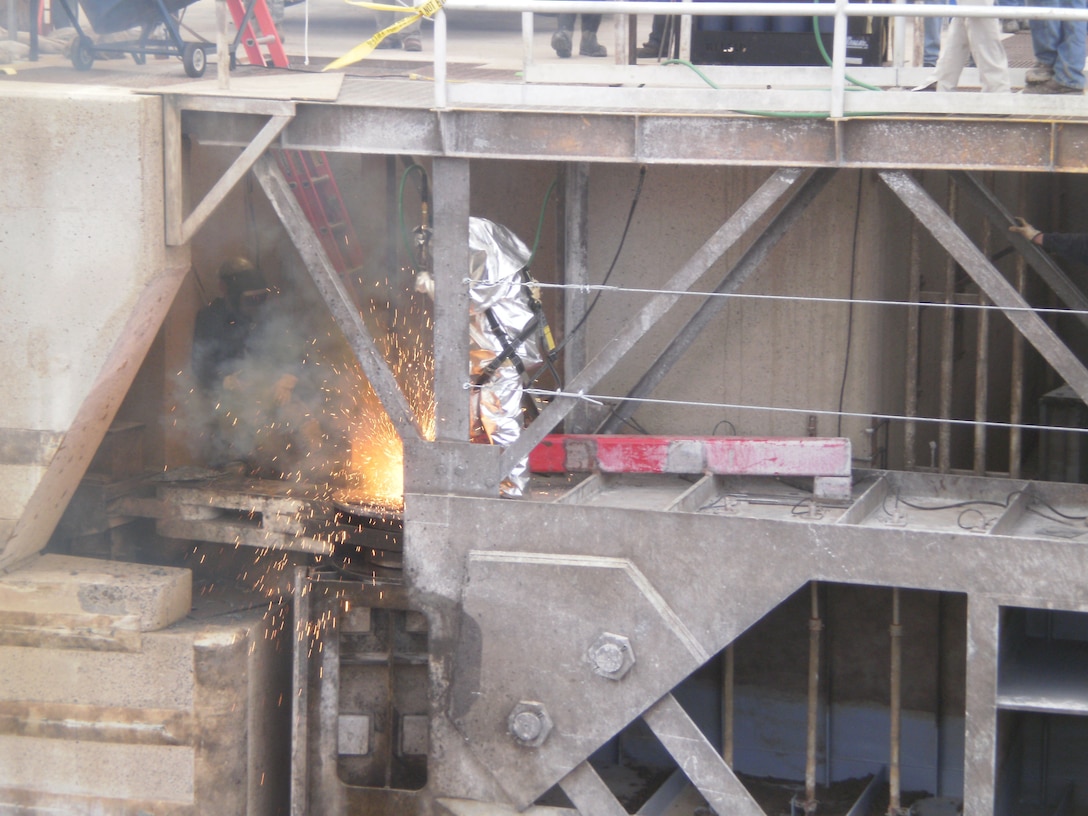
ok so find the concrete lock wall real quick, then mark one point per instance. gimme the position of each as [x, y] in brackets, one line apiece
[86, 278]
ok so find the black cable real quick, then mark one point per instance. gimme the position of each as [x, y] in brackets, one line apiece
[953, 506]
[615, 258]
[850, 308]
[1053, 509]
[724, 422]
[981, 515]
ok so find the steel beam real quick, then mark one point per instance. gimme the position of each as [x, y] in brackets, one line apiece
[663, 578]
[233, 174]
[450, 190]
[179, 227]
[703, 137]
[711, 307]
[698, 759]
[1067, 291]
[758, 204]
[989, 280]
[589, 794]
[300, 699]
[575, 273]
[336, 297]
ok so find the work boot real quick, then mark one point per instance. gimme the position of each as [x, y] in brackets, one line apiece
[561, 43]
[590, 47]
[1039, 73]
[412, 43]
[1052, 86]
[649, 50]
[392, 41]
[564, 35]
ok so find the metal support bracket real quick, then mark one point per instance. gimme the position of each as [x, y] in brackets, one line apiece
[698, 759]
[989, 280]
[1067, 291]
[179, 227]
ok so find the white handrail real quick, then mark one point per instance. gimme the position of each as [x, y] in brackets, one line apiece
[839, 10]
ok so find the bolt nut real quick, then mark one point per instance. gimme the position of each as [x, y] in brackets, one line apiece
[611, 656]
[529, 723]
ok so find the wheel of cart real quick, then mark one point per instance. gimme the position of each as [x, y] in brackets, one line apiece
[159, 22]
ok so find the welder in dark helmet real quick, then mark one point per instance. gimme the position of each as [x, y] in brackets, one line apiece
[223, 327]
[251, 366]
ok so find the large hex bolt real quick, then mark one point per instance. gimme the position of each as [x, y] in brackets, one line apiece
[529, 723]
[611, 656]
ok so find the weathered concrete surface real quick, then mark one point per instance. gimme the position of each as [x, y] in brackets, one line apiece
[53, 589]
[86, 280]
[192, 721]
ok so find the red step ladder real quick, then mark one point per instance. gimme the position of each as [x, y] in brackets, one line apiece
[309, 177]
[244, 18]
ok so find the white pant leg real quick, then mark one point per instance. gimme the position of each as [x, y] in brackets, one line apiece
[976, 37]
[955, 52]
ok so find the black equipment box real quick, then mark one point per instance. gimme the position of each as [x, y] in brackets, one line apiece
[784, 47]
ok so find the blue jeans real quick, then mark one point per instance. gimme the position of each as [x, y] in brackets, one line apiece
[1060, 43]
[931, 27]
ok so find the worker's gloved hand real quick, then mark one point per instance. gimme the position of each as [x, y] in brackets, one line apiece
[284, 387]
[1025, 229]
[425, 284]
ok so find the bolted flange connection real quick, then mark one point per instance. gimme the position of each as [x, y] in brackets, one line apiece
[611, 656]
[529, 723]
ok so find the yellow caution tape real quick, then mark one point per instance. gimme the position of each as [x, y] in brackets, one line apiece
[363, 49]
[7, 69]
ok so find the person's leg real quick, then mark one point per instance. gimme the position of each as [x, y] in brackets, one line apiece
[1045, 35]
[984, 39]
[1069, 65]
[931, 40]
[564, 35]
[1010, 26]
[589, 46]
[501, 417]
[410, 36]
[384, 20]
[954, 53]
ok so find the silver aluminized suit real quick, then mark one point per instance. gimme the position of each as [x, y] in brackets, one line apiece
[495, 260]
[496, 257]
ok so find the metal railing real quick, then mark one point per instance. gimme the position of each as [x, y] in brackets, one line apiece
[839, 10]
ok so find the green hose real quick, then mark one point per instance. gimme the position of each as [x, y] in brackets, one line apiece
[790, 114]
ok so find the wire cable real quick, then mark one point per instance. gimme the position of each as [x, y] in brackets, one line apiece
[623, 239]
[634, 290]
[970, 423]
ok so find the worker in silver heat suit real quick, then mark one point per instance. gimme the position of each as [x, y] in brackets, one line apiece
[503, 334]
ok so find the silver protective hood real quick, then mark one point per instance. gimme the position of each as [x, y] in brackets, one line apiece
[496, 257]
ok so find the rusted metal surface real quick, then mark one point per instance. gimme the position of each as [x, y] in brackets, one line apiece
[726, 138]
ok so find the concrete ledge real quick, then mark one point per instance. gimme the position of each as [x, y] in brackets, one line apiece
[70, 590]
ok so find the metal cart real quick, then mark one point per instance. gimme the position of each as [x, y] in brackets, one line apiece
[160, 35]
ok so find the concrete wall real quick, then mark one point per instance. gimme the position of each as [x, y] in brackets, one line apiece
[86, 279]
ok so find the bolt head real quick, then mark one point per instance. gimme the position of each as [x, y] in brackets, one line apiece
[529, 723]
[611, 656]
